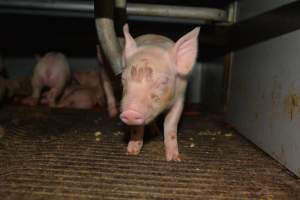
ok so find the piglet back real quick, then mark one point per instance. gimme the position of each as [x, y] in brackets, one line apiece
[154, 40]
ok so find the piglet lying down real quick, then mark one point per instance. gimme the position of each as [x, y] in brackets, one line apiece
[94, 88]
[154, 80]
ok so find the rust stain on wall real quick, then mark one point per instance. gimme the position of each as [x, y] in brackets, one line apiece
[292, 102]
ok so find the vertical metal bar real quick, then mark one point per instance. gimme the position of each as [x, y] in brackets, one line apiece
[120, 15]
[120, 19]
[228, 58]
[104, 14]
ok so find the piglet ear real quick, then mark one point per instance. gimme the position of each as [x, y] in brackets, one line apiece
[130, 44]
[185, 52]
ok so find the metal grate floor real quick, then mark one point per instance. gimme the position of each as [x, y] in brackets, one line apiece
[54, 154]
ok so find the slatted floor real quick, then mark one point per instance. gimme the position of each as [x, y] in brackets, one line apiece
[54, 154]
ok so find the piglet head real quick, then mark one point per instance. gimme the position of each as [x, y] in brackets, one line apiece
[149, 76]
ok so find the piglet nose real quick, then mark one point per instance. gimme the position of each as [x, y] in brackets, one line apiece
[132, 117]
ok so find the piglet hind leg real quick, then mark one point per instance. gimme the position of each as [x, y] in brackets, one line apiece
[136, 140]
[170, 131]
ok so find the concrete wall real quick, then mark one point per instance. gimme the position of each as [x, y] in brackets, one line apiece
[265, 97]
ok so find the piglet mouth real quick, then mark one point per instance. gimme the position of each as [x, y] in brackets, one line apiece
[132, 117]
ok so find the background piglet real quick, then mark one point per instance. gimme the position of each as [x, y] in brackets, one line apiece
[81, 98]
[86, 94]
[94, 88]
[51, 71]
[154, 80]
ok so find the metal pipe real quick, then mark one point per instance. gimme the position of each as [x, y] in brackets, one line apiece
[120, 15]
[176, 11]
[109, 43]
[120, 4]
[55, 13]
[82, 6]
[198, 13]
[229, 59]
[104, 14]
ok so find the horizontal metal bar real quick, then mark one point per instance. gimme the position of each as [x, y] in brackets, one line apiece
[56, 13]
[82, 6]
[91, 15]
[133, 9]
[177, 11]
[173, 20]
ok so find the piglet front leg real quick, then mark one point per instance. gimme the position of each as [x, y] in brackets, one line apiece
[136, 140]
[170, 131]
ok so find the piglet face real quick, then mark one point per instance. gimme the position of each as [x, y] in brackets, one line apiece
[148, 86]
[149, 74]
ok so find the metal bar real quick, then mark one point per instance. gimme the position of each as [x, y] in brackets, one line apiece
[104, 14]
[109, 43]
[56, 13]
[176, 11]
[173, 20]
[82, 6]
[74, 14]
[199, 13]
[229, 58]
[120, 15]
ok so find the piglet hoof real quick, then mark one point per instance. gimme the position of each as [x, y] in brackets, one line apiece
[172, 155]
[134, 147]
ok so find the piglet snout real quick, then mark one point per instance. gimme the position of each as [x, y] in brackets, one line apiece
[132, 117]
